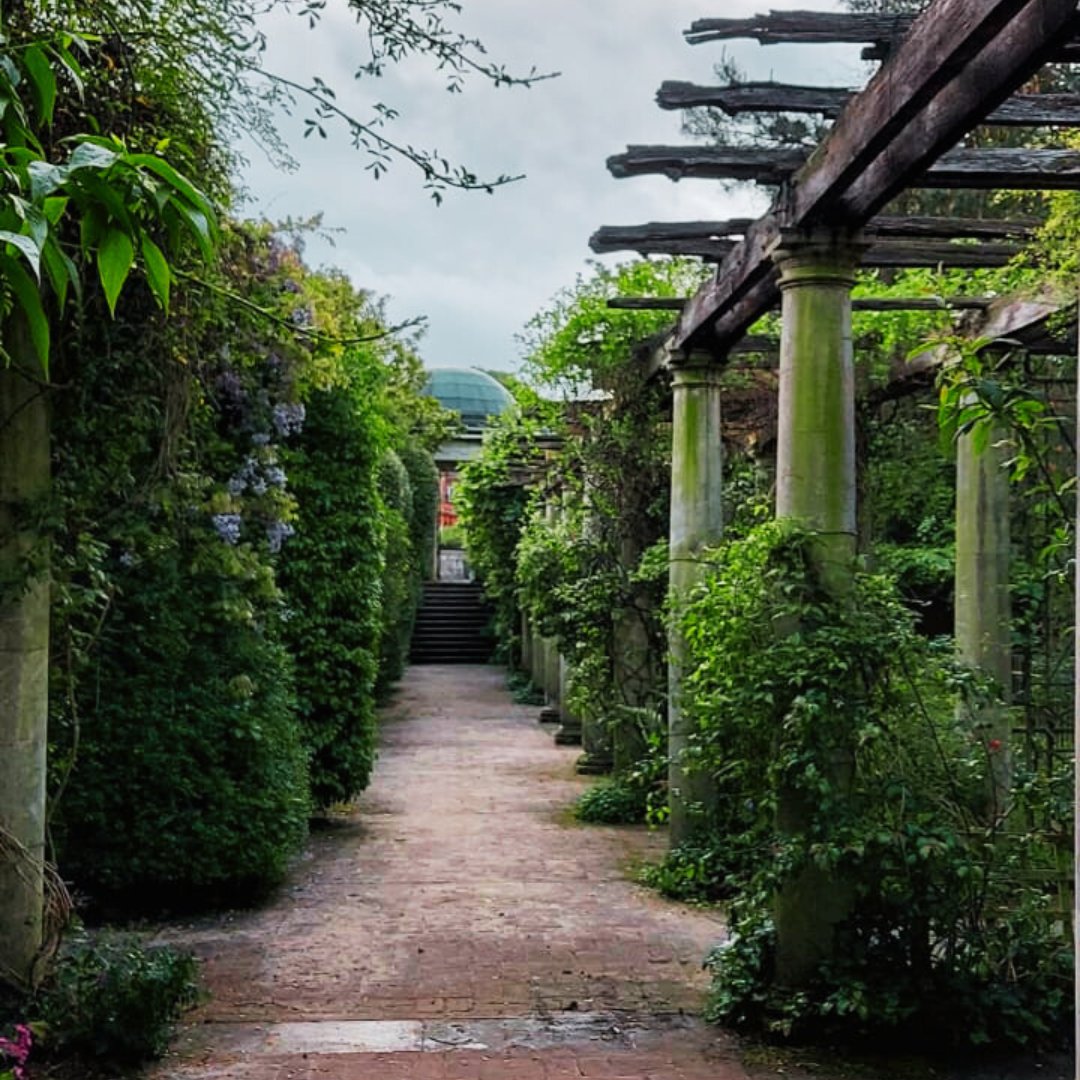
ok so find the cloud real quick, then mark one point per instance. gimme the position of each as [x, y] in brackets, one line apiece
[481, 265]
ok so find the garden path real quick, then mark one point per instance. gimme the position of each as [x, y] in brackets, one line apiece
[458, 926]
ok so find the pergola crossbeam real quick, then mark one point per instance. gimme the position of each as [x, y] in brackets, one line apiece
[1017, 168]
[869, 303]
[736, 99]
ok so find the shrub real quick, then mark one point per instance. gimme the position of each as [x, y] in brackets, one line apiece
[947, 937]
[424, 481]
[190, 783]
[401, 582]
[612, 803]
[330, 572]
[115, 999]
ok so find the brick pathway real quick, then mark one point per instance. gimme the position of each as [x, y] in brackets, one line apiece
[458, 926]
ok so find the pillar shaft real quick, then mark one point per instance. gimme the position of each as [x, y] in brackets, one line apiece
[982, 609]
[815, 456]
[815, 485]
[697, 484]
[24, 666]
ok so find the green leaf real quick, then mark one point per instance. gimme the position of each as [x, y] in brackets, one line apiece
[114, 259]
[62, 272]
[158, 274]
[26, 247]
[42, 82]
[176, 180]
[28, 296]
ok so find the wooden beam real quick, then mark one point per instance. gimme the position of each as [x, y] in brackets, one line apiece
[1021, 110]
[667, 230]
[646, 303]
[894, 255]
[768, 97]
[1013, 168]
[815, 27]
[960, 60]
[764, 166]
[994, 167]
[625, 237]
[950, 228]
[865, 303]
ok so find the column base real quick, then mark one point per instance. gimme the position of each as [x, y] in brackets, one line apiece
[593, 765]
[568, 735]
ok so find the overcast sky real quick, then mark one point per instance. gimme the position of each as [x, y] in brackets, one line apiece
[480, 266]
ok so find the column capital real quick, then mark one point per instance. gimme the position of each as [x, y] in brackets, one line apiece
[818, 256]
[697, 367]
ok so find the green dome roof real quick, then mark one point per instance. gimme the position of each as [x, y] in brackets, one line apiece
[474, 394]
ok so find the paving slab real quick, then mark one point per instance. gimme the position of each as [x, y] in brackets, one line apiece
[457, 925]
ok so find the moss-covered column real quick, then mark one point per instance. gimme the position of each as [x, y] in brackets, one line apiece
[569, 731]
[24, 664]
[815, 453]
[816, 485]
[982, 608]
[697, 522]
[526, 644]
[632, 668]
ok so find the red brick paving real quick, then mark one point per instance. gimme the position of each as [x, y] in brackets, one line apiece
[458, 890]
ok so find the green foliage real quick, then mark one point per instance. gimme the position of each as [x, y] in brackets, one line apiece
[613, 802]
[112, 998]
[424, 481]
[522, 689]
[492, 509]
[452, 536]
[331, 573]
[401, 581]
[839, 707]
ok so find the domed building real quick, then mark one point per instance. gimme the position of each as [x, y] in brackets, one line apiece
[473, 393]
[479, 399]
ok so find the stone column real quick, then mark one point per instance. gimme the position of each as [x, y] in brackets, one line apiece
[24, 665]
[569, 732]
[815, 454]
[816, 485]
[633, 670]
[526, 645]
[982, 608]
[697, 482]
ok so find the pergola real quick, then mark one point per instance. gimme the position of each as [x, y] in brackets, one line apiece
[958, 65]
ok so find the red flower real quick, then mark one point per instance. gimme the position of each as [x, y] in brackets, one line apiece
[994, 745]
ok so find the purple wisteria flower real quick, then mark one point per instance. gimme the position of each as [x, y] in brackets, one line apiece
[228, 527]
[288, 418]
[277, 532]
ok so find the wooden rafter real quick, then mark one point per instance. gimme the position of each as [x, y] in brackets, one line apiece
[806, 27]
[892, 254]
[624, 237]
[875, 303]
[980, 168]
[735, 99]
[959, 61]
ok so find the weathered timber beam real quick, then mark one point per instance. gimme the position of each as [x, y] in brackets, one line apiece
[1021, 110]
[667, 230]
[892, 255]
[960, 61]
[945, 228]
[754, 97]
[802, 26]
[623, 237]
[866, 303]
[1068, 53]
[647, 303]
[1015, 168]
[996, 167]
[765, 166]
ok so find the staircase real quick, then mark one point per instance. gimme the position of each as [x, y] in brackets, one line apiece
[451, 625]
